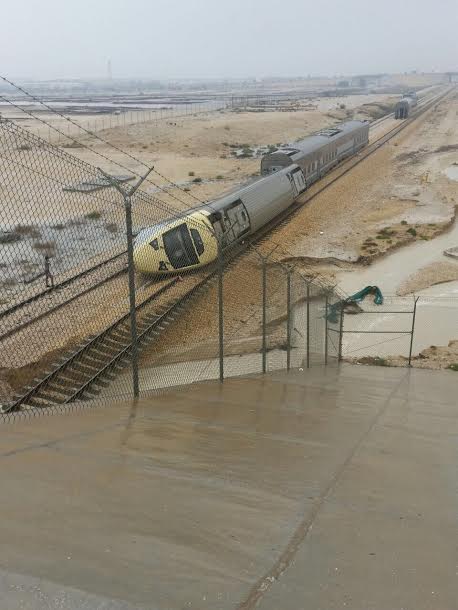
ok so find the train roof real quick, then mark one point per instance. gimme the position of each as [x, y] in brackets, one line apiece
[319, 139]
[406, 100]
[238, 192]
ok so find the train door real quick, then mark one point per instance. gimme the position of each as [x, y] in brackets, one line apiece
[230, 223]
[297, 179]
[236, 220]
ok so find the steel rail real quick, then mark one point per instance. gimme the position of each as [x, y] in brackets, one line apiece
[79, 276]
[164, 318]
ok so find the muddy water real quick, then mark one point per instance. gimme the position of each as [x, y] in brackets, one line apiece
[437, 309]
[452, 172]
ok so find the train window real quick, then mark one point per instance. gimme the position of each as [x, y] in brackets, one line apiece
[179, 247]
[199, 244]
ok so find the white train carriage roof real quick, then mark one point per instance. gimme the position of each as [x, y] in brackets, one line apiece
[321, 138]
[263, 197]
[310, 144]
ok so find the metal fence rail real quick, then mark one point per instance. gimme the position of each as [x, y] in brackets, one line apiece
[76, 323]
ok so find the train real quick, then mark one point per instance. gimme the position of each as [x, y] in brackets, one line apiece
[402, 109]
[190, 241]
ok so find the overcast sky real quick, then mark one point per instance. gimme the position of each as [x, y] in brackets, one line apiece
[225, 38]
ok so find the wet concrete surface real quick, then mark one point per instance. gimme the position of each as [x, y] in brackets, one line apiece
[328, 488]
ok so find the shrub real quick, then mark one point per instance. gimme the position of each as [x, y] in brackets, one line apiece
[8, 283]
[45, 246]
[197, 179]
[219, 177]
[380, 361]
[412, 231]
[95, 215]
[111, 227]
[9, 238]
[191, 174]
[453, 366]
[28, 230]
[186, 189]
[403, 222]
[59, 226]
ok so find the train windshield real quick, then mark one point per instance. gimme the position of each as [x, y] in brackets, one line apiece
[199, 244]
[179, 248]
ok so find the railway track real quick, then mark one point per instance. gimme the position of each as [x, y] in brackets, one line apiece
[24, 313]
[43, 303]
[346, 166]
[93, 364]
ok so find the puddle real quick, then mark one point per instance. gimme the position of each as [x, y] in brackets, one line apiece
[391, 271]
[452, 172]
[437, 310]
[72, 245]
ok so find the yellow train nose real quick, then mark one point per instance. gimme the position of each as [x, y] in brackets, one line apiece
[145, 259]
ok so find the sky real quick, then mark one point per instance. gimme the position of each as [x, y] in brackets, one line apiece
[160, 39]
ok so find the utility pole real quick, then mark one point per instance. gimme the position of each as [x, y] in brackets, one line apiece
[127, 194]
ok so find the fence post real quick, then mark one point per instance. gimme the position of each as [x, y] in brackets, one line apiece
[341, 329]
[288, 320]
[127, 197]
[308, 325]
[220, 311]
[413, 329]
[133, 312]
[264, 315]
[326, 330]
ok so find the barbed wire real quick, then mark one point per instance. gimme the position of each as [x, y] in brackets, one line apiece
[91, 133]
[95, 152]
[81, 165]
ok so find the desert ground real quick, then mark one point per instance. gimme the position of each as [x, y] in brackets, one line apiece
[398, 196]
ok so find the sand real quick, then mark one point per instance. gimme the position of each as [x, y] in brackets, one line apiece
[383, 191]
[433, 357]
[435, 273]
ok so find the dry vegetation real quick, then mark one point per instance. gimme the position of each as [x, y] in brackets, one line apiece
[433, 357]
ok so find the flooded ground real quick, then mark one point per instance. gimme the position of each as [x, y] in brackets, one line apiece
[269, 492]
[452, 172]
[437, 308]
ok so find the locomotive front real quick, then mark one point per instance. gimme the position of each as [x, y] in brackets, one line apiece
[175, 246]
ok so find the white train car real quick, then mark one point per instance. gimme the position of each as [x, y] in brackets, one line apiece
[191, 241]
[318, 154]
[404, 106]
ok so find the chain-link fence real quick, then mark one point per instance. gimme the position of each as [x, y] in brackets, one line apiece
[64, 298]
[57, 129]
[400, 330]
[75, 325]
[67, 311]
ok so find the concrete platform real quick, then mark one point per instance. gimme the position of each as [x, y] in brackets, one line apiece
[324, 489]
